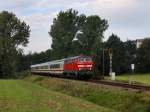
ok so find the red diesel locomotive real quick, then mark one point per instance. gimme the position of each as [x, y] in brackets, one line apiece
[79, 66]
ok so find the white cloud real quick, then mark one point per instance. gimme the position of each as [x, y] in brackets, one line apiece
[40, 26]
[127, 18]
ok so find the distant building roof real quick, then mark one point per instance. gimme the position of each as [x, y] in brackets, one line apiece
[139, 42]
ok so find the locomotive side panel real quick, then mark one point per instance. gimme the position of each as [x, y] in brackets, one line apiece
[70, 65]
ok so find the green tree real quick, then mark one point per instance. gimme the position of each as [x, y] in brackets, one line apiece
[130, 54]
[143, 57]
[13, 33]
[63, 31]
[119, 65]
[92, 34]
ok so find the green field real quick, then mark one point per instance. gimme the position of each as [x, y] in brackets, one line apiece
[136, 78]
[21, 96]
[46, 94]
[117, 99]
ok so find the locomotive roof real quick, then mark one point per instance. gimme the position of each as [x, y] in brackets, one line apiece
[56, 61]
[76, 57]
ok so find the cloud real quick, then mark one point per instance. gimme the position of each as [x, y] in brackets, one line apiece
[127, 18]
[40, 26]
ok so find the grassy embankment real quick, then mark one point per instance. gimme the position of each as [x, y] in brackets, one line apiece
[108, 97]
[21, 96]
[136, 78]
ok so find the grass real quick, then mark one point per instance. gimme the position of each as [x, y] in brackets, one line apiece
[21, 96]
[105, 96]
[137, 78]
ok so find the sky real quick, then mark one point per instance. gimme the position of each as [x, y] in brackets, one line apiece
[129, 19]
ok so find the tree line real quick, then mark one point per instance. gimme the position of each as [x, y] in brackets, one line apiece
[72, 34]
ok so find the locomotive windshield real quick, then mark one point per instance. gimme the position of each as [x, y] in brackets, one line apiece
[85, 59]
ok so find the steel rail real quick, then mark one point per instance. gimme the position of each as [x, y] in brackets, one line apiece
[120, 84]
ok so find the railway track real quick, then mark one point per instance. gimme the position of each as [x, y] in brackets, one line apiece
[118, 84]
[122, 85]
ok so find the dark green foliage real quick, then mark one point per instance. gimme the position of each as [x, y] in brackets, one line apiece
[92, 34]
[130, 54]
[35, 58]
[143, 57]
[119, 55]
[76, 34]
[13, 33]
[63, 31]
[125, 54]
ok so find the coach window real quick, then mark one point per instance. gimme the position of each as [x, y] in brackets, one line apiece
[58, 66]
[52, 66]
[45, 67]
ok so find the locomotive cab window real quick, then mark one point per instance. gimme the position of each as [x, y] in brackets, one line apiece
[81, 59]
[88, 59]
[85, 59]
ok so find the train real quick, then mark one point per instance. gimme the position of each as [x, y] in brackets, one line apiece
[77, 67]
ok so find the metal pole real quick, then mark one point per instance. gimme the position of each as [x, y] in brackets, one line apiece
[130, 80]
[110, 64]
[103, 63]
[132, 70]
